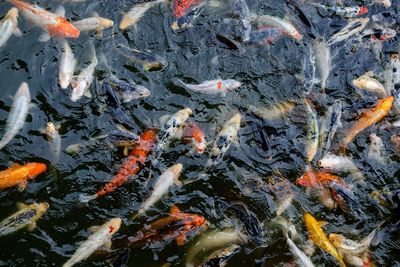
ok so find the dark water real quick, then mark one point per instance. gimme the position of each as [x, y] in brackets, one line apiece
[268, 74]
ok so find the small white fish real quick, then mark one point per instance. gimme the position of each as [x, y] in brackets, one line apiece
[213, 86]
[323, 61]
[224, 139]
[330, 125]
[266, 21]
[300, 257]
[55, 141]
[136, 13]
[337, 164]
[385, 3]
[9, 26]
[312, 133]
[19, 111]
[376, 148]
[94, 23]
[81, 84]
[164, 182]
[101, 236]
[355, 26]
[367, 82]
[67, 66]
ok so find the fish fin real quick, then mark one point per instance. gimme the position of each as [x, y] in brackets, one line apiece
[126, 151]
[17, 32]
[180, 240]
[99, 33]
[60, 11]
[108, 244]
[15, 165]
[44, 37]
[369, 74]
[31, 226]
[321, 223]
[95, 14]
[22, 186]
[88, 93]
[163, 119]
[94, 228]
[174, 210]
[21, 205]
[178, 182]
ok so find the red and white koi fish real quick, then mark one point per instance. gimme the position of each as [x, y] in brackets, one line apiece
[193, 135]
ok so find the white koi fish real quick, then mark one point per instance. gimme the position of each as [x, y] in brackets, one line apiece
[212, 87]
[9, 26]
[136, 13]
[355, 26]
[367, 82]
[94, 23]
[67, 66]
[55, 141]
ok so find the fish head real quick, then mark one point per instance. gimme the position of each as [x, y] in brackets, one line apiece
[106, 23]
[195, 221]
[336, 239]
[385, 3]
[114, 225]
[386, 103]
[176, 169]
[232, 84]
[309, 219]
[35, 169]
[50, 128]
[42, 207]
[12, 14]
[63, 28]
[308, 179]
[193, 134]
[142, 91]
[363, 10]
[235, 120]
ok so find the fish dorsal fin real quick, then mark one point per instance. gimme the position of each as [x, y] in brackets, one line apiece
[21, 205]
[95, 14]
[321, 223]
[22, 185]
[31, 226]
[369, 74]
[94, 228]
[60, 11]
[174, 210]
[163, 119]
[15, 165]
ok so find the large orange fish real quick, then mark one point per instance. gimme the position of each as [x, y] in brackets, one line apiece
[193, 135]
[54, 25]
[177, 225]
[131, 166]
[19, 175]
[368, 118]
[318, 180]
[318, 236]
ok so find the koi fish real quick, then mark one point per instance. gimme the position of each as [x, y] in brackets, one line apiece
[312, 133]
[273, 112]
[55, 140]
[101, 235]
[25, 217]
[193, 135]
[330, 126]
[395, 139]
[300, 257]
[19, 175]
[368, 118]
[345, 197]
[176, 226]
[54, 24]
[81, 84]
[323, 61]
[212, 87]
[348, 246]
[385, 3]
[131, 166]
[221, 256]
[67, 66]
[164, 182]
[242, 10]
[337, 164]
[9, 26]
[366, 82]
[185, 12]
[376, 148]
[148, 61]
[18, 113]
[127, 91]
[281, 188]
[266, 21]
[392, 75]
[344, 12]
[132, 17]
[264, 36]
[94, 23]
[318, 236]
[355, 26]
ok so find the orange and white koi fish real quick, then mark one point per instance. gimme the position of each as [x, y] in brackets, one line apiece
[19, 175]
[193, 135]
[368, 118]
[318, 236]
[54, 24]
[131, 166]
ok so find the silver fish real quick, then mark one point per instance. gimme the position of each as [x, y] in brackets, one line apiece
[18, 113]
[274, 111]
[242, 10]
[323, 60]
[367, 82]
[300, 257]
[281, 188]
[55, 141]
[212, 87]
[355, 26]
[345, 12]
[330, 125]
[9, 26]
[94, 23]
[136, 13]
[101, 236]
[265, 21]
[67, 66]
[312, 133]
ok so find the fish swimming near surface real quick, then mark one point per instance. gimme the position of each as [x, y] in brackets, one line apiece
[266, 21]
[392, 76]
[186, 11]
[368, 83]
[9, 26]
[54, 24]
[376, 149]
[101, 235]
[128, 91]
[212, 87]
[368, 118]
[330, 125]
[353, 27]
[221, 256]
[323, 60]
[193, 135]
[312, 132]
[131, 166]
[54, 139]
[26, 216]
[265, 36]
[132, 17]
[18, 113]
[20, 174]
[148, 61]
[318, 236]
[344, 11]
[334, 163]
[348, 246]
[67, 66]
[281, 188]
[94, 23]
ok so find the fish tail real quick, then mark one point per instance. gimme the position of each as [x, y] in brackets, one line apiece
[86, 198]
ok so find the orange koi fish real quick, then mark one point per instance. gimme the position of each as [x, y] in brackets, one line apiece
[182, 6]
[368, 118]
[54, 25]
[19, 175]
[177, 225]
[318, 236]
[193, 135]
[131, 166]
[318, 180]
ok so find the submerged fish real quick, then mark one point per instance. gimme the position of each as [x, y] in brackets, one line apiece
[9, 26]
[330, 126]
[323, 61]
[370, 84]
[81, 84]
[193, 135]
[345, 12]
[20, 174]
[300, 257]
[131, 166]
[368, 118]
[241, 9]
[164, 182]
[355, 26]
[177, 225]
[54, 24]
[266, 21]
[25, 217]
[18, 113]
[264, 36]
[186, 11]
[101, 235]
[281, 188]
[67, 66]
[385, 3]
[376, 148]
[392, 75]
[275, 111]
[312, 133]
[212, 87]
[318, 180]
[318, 236]
[221, 256]
[128, 91]
[132, 17]
[55, 141]
[337, 164]
[148, 61]
[94, 23]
